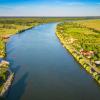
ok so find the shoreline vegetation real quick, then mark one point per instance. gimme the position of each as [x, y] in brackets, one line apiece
[82, 40]
[14, 25]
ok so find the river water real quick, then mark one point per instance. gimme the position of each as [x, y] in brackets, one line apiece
[44, 70]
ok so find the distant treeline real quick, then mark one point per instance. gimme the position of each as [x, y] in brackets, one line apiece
[19, 20]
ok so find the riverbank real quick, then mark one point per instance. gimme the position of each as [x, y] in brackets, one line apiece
[6, 85]
[6, 79]
[70, 46]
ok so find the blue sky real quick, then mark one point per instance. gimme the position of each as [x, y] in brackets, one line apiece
[49, 7]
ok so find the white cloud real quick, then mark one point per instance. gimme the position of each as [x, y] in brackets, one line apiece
[51, 10]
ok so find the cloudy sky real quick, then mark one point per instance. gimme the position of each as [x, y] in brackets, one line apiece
[49, 7]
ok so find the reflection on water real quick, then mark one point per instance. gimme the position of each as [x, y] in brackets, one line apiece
[44, 70]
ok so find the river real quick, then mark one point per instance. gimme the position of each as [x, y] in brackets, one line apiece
[44, 70]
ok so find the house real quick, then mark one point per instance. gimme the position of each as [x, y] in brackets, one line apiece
[87, 53]
[5, 36]
[97, 63]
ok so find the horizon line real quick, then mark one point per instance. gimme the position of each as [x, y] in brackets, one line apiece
[50, 16]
